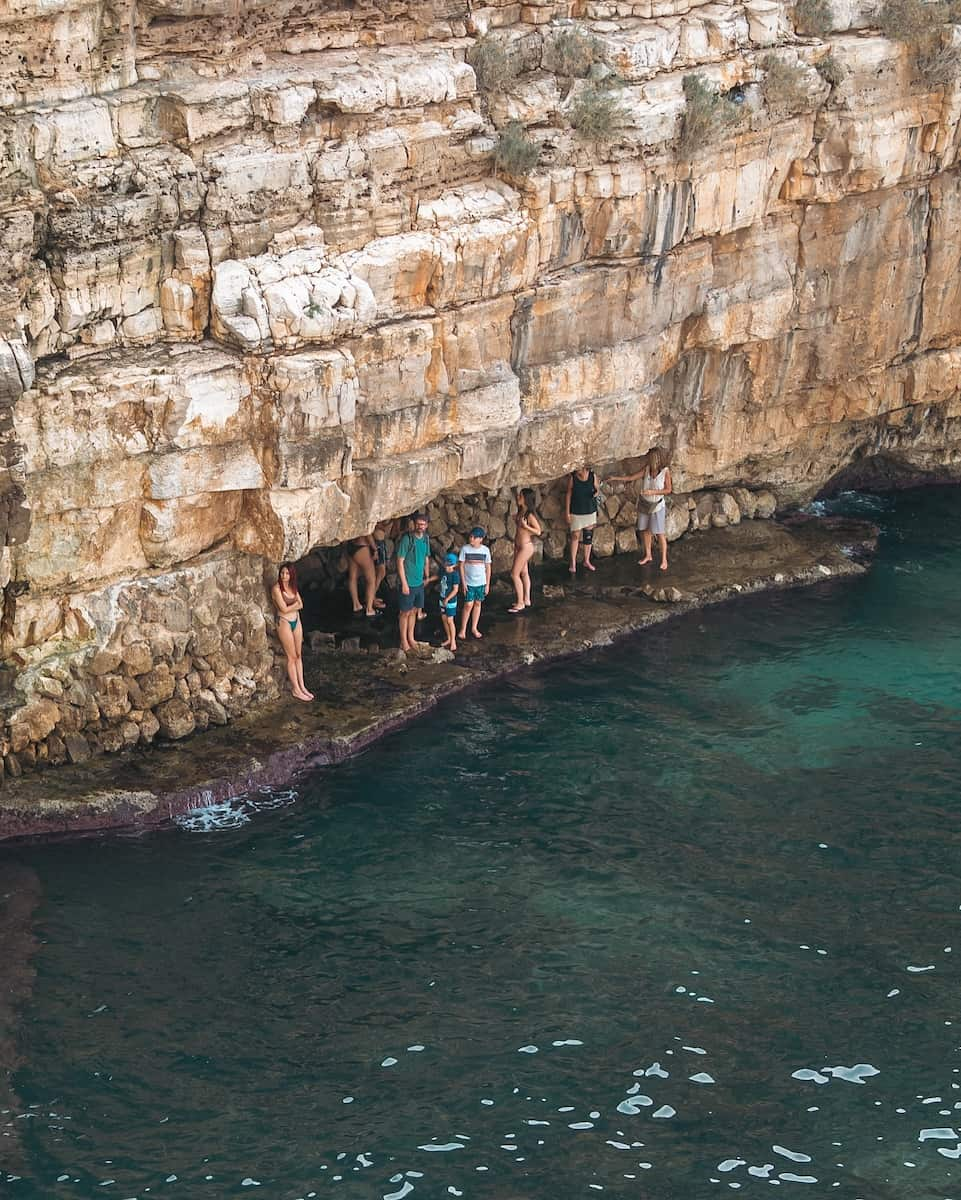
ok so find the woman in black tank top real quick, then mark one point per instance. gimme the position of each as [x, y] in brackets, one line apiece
[581, 513]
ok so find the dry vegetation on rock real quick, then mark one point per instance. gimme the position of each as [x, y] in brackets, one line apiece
[516, 153]
[708, 116]
[785, 86]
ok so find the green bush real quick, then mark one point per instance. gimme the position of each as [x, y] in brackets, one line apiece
[785, 86]
[493, 64]
[516, 153]
[830, 70]
[596, 114]
[707, 115]
[813, 16]
[573, 52]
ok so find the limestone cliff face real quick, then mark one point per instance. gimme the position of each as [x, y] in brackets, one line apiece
[260, 287]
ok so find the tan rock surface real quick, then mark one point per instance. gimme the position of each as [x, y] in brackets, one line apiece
[261, 286]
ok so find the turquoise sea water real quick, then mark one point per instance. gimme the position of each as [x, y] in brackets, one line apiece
[667, 921]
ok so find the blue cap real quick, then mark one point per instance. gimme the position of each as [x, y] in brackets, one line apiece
[477, 532]
[450, 558]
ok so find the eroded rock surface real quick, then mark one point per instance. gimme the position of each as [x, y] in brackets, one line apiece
[263, 284]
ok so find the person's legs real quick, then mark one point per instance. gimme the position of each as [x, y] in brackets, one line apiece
[366, 565]
[646, 541]
[465, 612]
[450, 641]
[403, 620]
[525, 574]
[286, 635]
[475, 618]
[418, 610]
[299, 646]
[517, 579]
[380, 574]
[352, 573]
[407, 629]
[588, 547]
[575, 542]
[662, 543]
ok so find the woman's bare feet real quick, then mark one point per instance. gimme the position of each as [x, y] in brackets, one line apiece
[590, 566]
[642, 562]
[663, 566]
[516, 608]
[477, 633]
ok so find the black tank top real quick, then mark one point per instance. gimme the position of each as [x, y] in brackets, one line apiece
[582, 495]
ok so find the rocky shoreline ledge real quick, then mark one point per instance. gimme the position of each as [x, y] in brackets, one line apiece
[364, 695]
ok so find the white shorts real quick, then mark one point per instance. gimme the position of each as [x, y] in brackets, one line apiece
[655, 522]
[583, 521]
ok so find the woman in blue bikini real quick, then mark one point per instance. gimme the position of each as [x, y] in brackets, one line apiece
[290, 628]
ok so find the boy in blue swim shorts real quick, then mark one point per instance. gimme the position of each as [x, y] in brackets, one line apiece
[449, 587]
[475, 577]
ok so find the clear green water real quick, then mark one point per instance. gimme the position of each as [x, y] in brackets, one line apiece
[727, 851]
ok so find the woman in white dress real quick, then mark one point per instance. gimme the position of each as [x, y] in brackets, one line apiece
[651, 505]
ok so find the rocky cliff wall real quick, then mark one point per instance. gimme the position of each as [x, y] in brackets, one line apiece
[269, 275]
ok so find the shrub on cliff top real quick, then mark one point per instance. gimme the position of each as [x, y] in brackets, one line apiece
[493, 64]
[596, 114]
[785, 86]
[707, 115]
[813, 16]
[923, 27]
[516, 153]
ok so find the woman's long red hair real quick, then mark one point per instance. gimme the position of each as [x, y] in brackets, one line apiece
[292, 585]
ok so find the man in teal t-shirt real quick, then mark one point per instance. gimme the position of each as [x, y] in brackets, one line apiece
[413, 551]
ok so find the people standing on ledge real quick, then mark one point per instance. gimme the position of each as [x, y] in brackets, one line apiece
[528, 528]
[651, 505]
[413, 552]
[286, 597]
[581, 513]
[475, 576]
[361, 561]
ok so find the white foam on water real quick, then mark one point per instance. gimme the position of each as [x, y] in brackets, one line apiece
[893, 992]
[761, 1172]
[856, 1074]
[248, 1182]
[401, 1192]
[527, 1049]
[416, 1048]
[664, 1113]
[919, 970]
[955, 1153]
[445, 1148]
[227, 814]
[945, 1134]
[567, 1042]
[806, 1074]
[695, 1049]
[581, 1125]
[731, 1164]
[389, 1062]
[793, 1155]
[790, 1177]
[702, 1077]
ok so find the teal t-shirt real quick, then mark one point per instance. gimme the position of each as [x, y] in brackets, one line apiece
[413, 550]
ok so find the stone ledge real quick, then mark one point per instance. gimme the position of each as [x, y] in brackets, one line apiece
[365, 697]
